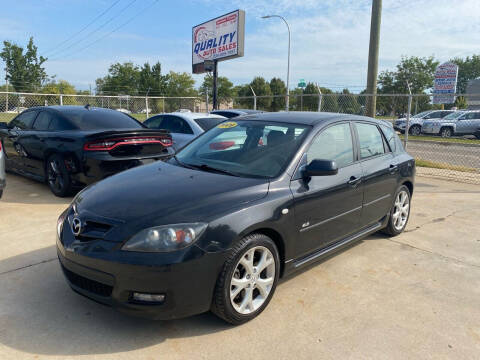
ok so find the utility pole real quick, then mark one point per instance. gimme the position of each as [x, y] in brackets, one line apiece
[215, 90]
[373, 57]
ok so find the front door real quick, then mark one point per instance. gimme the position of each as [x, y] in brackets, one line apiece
[328, 208]
[468, 123]
[380, 173]
[13, 142]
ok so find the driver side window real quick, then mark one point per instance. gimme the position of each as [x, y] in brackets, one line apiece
[334, 143]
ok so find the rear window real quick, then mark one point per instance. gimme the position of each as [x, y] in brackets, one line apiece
[208, 123]
[94, 119]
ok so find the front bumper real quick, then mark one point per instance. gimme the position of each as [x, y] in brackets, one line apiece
[187, 278]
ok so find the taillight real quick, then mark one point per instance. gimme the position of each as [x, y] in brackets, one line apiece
[110, 144]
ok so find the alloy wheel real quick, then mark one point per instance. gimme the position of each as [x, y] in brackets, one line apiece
[401, 210]
[55, 179]
[252, 280]
[446, 132]
[415, 130]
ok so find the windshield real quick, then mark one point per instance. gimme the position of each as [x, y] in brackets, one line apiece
[245, 148]
[422, 114]
[454, 115]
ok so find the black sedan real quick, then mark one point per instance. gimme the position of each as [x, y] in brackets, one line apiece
[70, 146]
[296, 188]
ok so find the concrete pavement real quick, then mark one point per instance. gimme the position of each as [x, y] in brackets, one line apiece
[409, 297]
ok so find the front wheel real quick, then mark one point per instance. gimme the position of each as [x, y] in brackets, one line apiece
[415, 130]
[248, 280]
[400, 212]
[58, 178]
[446, 132]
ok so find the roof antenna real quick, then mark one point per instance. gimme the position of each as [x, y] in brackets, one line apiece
[87, 106]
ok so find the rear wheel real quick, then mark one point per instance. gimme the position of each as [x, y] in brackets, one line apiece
[58, 178]
[415, 130]
[446, 132]
[400, 212]
[248, 280]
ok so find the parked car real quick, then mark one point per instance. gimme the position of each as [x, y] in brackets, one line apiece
[416, 121]
[457, 123]
[3, 180]
[184, 126]
[216, 229]
[17, 110]
[231, 113]
[125, 111]
[70, 146]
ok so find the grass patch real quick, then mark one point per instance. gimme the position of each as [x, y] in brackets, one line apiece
[6, 117]
[438, 165]
[441, 139]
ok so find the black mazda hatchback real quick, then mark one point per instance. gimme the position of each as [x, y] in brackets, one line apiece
[241, 206]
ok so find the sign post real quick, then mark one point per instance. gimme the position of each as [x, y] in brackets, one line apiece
[216, 40]
[445, 83]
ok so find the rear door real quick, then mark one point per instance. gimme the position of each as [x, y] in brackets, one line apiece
[181, 131]
[37, 142]
[15, 149]
[328, 208]
[380, 172]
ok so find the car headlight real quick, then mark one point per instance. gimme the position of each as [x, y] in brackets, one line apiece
[165, 238]
[60, 221]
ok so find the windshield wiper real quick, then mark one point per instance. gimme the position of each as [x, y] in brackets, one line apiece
[181, 163]
[212, 169]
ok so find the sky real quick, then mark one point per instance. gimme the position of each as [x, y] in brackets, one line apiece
[329, 44]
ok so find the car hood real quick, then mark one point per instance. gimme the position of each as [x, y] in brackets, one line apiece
[163, 193]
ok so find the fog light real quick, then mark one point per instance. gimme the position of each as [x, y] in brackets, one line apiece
[151, 298]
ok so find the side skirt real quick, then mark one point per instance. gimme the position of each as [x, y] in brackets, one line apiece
[337, 246]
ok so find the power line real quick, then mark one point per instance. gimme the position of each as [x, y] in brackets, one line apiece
[84, 28]
[96, 30]
[111, 32]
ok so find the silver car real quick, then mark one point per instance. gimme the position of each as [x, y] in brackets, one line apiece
[184, 126]
[2, 170]
[416, 121]
[457, 123]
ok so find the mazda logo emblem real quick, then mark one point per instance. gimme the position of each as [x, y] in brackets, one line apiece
[76, 226]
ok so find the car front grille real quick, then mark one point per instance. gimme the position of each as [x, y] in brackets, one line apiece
[86, 284]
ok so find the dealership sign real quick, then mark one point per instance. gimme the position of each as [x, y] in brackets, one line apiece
[445, 83]
[219, 39]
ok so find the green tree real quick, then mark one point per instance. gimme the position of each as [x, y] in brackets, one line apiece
[23, 70]
[151, 80]
[277, 87]
[122, 79]
[179, 85]
[262, 88]
[225, 88]
[59, 87]
[245, 97]
[468, 69]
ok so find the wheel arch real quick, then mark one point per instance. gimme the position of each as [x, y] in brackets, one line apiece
[278, 241]
[409, 185]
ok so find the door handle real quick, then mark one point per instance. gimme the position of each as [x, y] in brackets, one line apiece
[354, 181]
[393, 168]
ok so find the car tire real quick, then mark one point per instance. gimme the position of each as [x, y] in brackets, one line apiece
[399, 214]
[415, 130]
[446, 132]
[57, 176]
[231, 301]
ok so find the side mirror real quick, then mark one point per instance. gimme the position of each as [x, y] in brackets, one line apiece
[320, 167]
[3, 125]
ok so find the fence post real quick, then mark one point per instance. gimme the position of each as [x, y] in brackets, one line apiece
[407, 125]
[146, 105]
[301, 101]
[61, 100]
[319, 98]
[254, 99]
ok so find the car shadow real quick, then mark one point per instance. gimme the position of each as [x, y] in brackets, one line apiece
[40, 314]
[22, 190]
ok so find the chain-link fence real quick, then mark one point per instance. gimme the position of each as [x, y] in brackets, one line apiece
[445, 142]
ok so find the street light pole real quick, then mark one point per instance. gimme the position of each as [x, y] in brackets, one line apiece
[287, 102]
